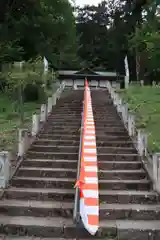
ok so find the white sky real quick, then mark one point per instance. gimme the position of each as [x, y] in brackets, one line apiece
[90, 2]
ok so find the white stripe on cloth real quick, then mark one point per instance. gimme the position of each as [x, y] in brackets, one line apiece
[91, 169]
[90, 131]
[91, 180]
[92, 229]
[90, 159]
[88, 150]
[90, 193]
[89, 137]
[90, 127]
[92, 210]
[90, 122]
[93, 143]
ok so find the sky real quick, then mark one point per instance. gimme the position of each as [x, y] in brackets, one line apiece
[90, 2]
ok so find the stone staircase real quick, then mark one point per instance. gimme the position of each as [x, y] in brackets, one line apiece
[39, 201]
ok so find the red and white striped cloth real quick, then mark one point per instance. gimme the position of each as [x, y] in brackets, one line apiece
[88, 181]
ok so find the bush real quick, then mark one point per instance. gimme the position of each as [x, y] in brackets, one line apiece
[34, 92]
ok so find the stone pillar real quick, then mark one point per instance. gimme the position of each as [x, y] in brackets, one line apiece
[4, 169]
[23, 141]
[116, 99]
[119, 105]
[125, 113]
[63, 85]
[112, 92]
[43, 114]
[142, 82]
[131, 124]
[49, 108]
[126, 81]
[156, 171]
[75, 86]
[58, 93]
[35, 124]
[142, 141]
[54, 99]
[108, 85]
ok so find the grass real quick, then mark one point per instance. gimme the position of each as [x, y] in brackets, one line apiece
[10, 120]
[144, 102]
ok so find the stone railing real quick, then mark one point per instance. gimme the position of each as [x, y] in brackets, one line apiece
[26, 137]
[139, 137]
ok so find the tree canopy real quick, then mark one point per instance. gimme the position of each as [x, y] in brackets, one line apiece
[113, 29]
[36, 27]
[90, 36]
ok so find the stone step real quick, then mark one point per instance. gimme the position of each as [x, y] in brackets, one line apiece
[50, 155]
[129, 211]
[54, 149]
[101, 132]
[4, 237]
[122, 144]
[127, 165]
[100, 137]
[75, 115]
[64, 111]
[64, 228]
[110, 116]
[48, 136]
[116, 150]
[43, 182]
[67, 118]
[50, 163]
[75, 149]
[46, 182]
[62, 128]
[107, 122]
[40, 194]
[121, 184]
[45, 141]
[111, 124]
[59, 119]
[68, 106]
[36, 208]
[107, 129]
[74, 120]
[107, 114]
[63, 132]
[110, 137]
[122, 174]
[55, 142]
[47, 172]
[60, 163]
[67, 124]
[67, 109]
[118, 157]
[65, 210]
[71, 173]
[34, 226]
[105, 196]
[72, 156]
[111, 131]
